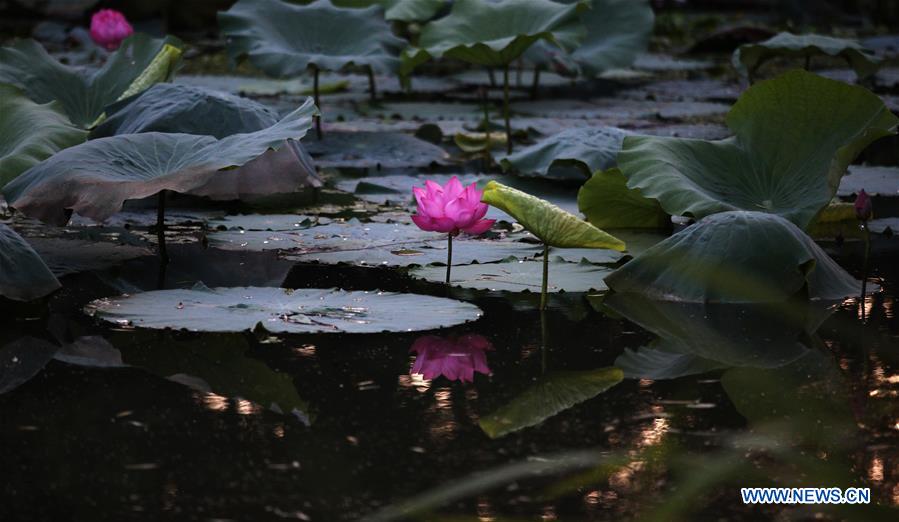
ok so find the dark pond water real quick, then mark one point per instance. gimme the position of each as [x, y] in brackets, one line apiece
[812, 405]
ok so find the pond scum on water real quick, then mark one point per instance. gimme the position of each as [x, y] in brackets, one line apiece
[391, 260]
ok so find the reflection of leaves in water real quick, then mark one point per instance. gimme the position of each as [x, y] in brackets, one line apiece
[551, 395]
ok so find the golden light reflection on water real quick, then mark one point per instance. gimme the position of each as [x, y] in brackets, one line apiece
[653, 434]
[875, 470]
[486, 513]
[416, 381]
[443, 425]
[214, 402]
[245, 407]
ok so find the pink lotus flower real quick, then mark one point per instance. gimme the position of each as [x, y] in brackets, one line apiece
[451, 209]
[456, 359]
[863, 208]
[108, 28]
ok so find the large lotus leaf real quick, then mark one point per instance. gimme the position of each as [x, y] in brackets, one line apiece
[608, 203]
[411, 10]
[23, 275]
[520, 275]
[167, 107]
[658, 361]
[95, 178]
[735, 257]
[284, 39]
[617, 32]
[71, 256]
[281, 310]
[765, 335]
[22, 359]
[496, 33]
[30, 132]
[551, 224]
[551, 395]
[795, 135]
[83, 93]
[587, 148]
[749, 57]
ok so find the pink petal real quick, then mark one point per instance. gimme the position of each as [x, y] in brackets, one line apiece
[480, 227]
[444, 224]
[433, 188]
[424, 222]
[480, 211]
[419, 193]
[433, 208]
[453, 188]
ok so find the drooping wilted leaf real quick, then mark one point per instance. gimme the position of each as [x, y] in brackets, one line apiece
[617, 32]
[794, 137]
[84, 94]
[281, 310]
[587, 148]
[23, 275]
[551, 395]
[284, 39]
[735, 257]
[608, 203]
[30, 132]
[95, 178]
[749, 57]
[496, 33]
[190, 110]
[551, 224]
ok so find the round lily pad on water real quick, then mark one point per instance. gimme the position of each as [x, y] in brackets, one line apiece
[520, 276]
[282, 310]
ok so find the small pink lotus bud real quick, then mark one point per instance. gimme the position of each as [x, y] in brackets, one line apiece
[451, 209]
[863, 208]
[108, 28]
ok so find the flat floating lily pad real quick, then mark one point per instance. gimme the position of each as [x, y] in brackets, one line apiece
[374, 150]
[281, 310]
[71, 256]
[588, 149]
[520, 276]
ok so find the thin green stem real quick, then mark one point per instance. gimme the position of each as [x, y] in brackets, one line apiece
[545, 277]
[506, 109]
[449, 256]
[318, 119]
[867, 234]
[160, 228]
[535, 86]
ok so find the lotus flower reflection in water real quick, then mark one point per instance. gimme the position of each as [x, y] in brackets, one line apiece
[456, 358]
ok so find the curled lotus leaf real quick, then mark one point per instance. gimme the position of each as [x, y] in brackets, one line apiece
[83, 93]
[23, 274]
[31, 132]
[794, 137]
[749, 57]
[735, 257]
[552, 225]
[284, 39]
[95, 178]
[496, 33]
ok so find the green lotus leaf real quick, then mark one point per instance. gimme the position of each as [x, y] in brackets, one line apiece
[617, 32]
[549, 223]
[735, 257]
[496, 33]
[794, 137]
[411, 10]
[281, 310]
[23, 274]
[84, 94]
[95, 178]
[588, 149]
[167, 107]
[749, 57]
[551, 395]
[284, 39]
[608, 203]
[30, 132]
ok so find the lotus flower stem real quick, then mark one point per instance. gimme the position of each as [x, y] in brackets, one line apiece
[543, 288]
[506, 109]
[491, 76]
[371, 83]
[318, 118]
[867, 234]
[808, 62]
[536, 85]
[449, 256]
[160, 228]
